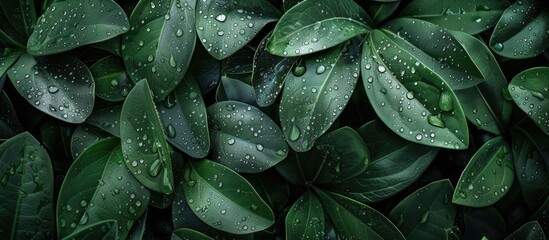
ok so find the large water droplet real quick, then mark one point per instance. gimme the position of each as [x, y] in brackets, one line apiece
[436, 121]
[171, 131]
[221, 18]
[53, 89]
[294, 133]
[446, 102]
[154, 169]
[320, 69]
[498, 47]
[172, 61]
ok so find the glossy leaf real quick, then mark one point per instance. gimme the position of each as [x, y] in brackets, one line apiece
[529, 231]
[189, 234]
[427, 212]
[521, 32]
[314, 97]
[107, 119]
[183, 115]
[26, 189]
[250, 149]
[226, 26]
[146, 152]
[7, 59]
[85, 136]
[9, 122]
[99, 187]
[472, 17]
[487, 177]
[160, 44]
[21, 14]
[224, 200]
[103, 230]
[354, 220]
[66, 25]
[312, 26]
[111, 81]
[394, 165]
[235, 90]
[305, 220]
[62, 88]
[412, 100]
[530, 91]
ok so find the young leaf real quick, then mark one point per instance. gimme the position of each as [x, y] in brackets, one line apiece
[26, 189]
[530, 91]
[84, 136]
[487, 177]
[104, 230]
[472, 17]
[427, 212]
[305, 220]
[99, 187]
[244, 138]
[160, 44]
[183, 115]
[21, 14]
[111, 81]
[189, 234]
[226, 26]
[354, 220]
[66, 25]
[9, 122]
[411, 99]
[312, 26]
[314, 97]
[530, 230]
[521, 32]
[62, 88]
[146, 153]
[235, 206]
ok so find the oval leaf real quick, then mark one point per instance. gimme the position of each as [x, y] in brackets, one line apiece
[111, 81]
[314, 97]
[104, 230]
[66, 25]
[85, 136]
[312, 26]
[107, 119]
[26, 189]
[244, 138]
[305, 220]
[529, 231]
[7, 59]
[62, 88]
[160, 44]
[144, 146]
[225, 200]
[487, 177]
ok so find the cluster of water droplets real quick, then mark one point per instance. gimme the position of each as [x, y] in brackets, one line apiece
[532, 100]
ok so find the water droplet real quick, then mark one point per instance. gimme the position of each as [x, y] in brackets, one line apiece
[436, 121]
[53, 89]
[446, 102]
[172, 61]
[299, 71]
[221, 18]
[166, 185]
[231, 141]
[171, 131]
[84, 219]
[259, 147]
[83, 203]
[424, 217]
[320, 69]
[220, 33]
[498, 47]
[114, 82]
[294, 133]
[381, 69]
[419, 136]
[538, 95]
[179, 33]
[410, 95]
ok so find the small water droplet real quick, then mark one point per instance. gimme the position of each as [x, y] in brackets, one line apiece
[381, 69]
[320, 69]
[498, 47]
[221, 18]
[231, 141]
[53, 89]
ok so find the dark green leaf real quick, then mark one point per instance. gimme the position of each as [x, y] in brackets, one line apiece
[85, 136]
[56, 137]
[160, 44]
[487, 177]
[206, 77]
[314, 97]
[113, 46]
[9, 122]
[287, 4]
[312, 26]
[484, 222]
[111, 81]
[528, 231]
[184, 117]
[224, 200]
[381, 10]
[472, 17]
[26, 189]
[9, 36]
[244, 138]
[411, 99]
[241, 62]
[62, 87]
[235, 90]
[427, 212]
[188, 234]
[103, 230]
[530, 91]
[21, 14]
[521, 32]
[146, 152]
[182, 214]
[305, 220]
[271, 187]
[66, 25]
[7, 59]
[354, 220]
[138, 229]
[226, 26]
[107, 119]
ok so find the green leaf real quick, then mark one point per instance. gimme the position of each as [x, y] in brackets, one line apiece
[99, 187]
[113, 46]
[104, 230]
[9, 122]
[111, 81]
[182, 214]
[235, 90]
[484, 104]
[288, 4]
[530, 231]
[226, 26]
[62, 87]
[239, 63]
[271, 187]
[487, 177]
[189, 234]
[84, 136]
[314, 97]
[269, 73]
[354, 220]
[244, 138]
[9, 36]
[26, 189]
[21, 14]
[160, 44]
[66, 25]
[530, 91]
[107, 119]
[224, 200]
[305, 220]
[138, 229]
[484, 222]
[183, 115]
[312, 26]
[394, 165]
[411, 98]
[7, 59]
[56, 137]
[472, 17]
[146, 152]
[521, 32]
[427, 212]
[381, 10]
